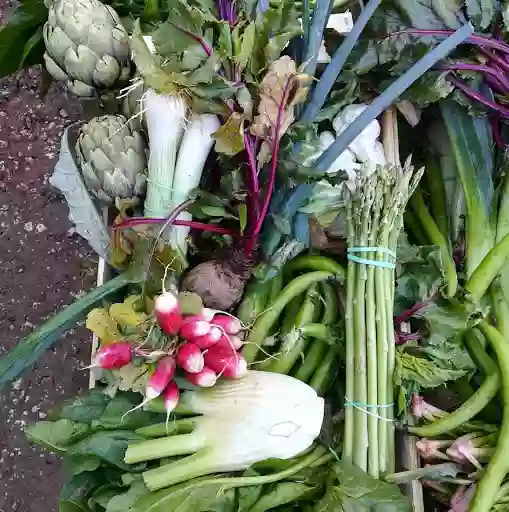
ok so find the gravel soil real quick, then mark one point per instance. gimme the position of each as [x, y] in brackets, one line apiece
[43, 266]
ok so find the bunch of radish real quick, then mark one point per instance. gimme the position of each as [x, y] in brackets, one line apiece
[206, 349]
[211, 341]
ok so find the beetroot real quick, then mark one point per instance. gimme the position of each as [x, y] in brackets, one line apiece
[219, 283]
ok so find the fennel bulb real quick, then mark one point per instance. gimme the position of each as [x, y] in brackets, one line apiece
[261, 416]
[165, 116]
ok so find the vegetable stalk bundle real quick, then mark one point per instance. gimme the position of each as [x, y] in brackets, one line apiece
[374, 221]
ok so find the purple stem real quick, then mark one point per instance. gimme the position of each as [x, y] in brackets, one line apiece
[473, 39]
[495, 85]
[129, 223]
[480, 68]
[467, 91]
[200, 40]
[249, 144]
[495, 58]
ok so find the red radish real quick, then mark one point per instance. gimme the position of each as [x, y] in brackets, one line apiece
[190, 358]
[230, 341]
[158, 381]
[164, 372]
[214, 335]
[191, 330]
[230, 324]
[113, 356]
[171, 397]
[226, 362]
[205, 379]
[167, 313]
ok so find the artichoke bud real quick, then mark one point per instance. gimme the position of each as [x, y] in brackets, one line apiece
[86, 45]
[112, 158]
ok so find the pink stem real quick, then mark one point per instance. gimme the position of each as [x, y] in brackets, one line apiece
[409, 313]
[248, 143]
[189, 223]
[458, 66]
[467, 91]
[273, 168]
[495, 58]
[205, 47]
[473, 39]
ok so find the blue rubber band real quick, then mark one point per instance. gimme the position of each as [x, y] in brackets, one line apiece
[374, 263]
[372, 406]
[372, 249]
[365, 409]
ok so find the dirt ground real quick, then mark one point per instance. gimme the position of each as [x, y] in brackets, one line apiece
[43, 266]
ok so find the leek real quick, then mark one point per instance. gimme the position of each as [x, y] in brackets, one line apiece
[165, 117]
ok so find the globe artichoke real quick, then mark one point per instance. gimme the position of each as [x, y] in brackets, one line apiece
[112, 158]
[86, 45]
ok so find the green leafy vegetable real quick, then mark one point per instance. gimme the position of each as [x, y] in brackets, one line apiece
[56, 436]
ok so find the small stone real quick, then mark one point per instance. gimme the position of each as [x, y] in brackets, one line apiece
[40, 228]
[28, 227]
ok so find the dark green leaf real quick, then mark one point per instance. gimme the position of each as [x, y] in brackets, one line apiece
[248, 496]
[72, 506]
[481, 12]
[75, 492]
[114, 416]
[246, 46]
[284, 493]
[358, 489]
[340, 97]
[225, 40]
[56, 436]
[123, 502]
[85, 408]
[74, 465]
[186, 497]
[109, 446]
[19, 36]
[431, 472]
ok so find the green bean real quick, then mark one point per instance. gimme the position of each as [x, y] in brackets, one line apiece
[254, 301]
[325, 373]
[318, 348]
[314, 262]
[293, 345]
[269, 317]
[498, 466]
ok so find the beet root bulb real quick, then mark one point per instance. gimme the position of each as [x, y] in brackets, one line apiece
[219, 283]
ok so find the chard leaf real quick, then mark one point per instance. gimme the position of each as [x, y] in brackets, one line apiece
[420, 276]
[83, 213]
[481, 12]
[230, 136]
[280, 91]
[422, 371]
